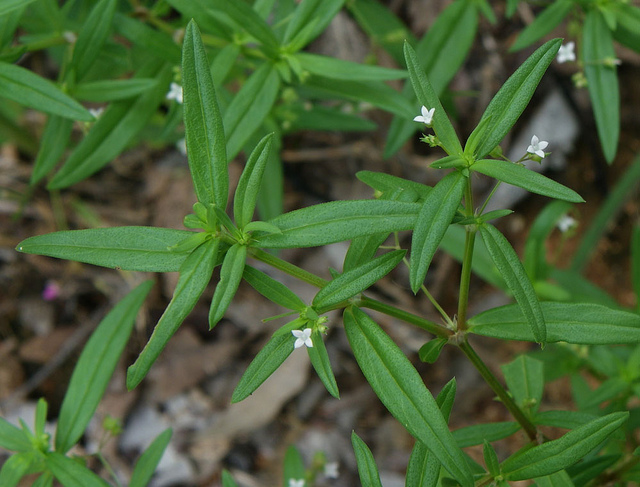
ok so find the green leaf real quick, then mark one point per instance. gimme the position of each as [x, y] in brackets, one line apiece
[545, 22]
[525, 379]
[324, 118]
[367, 468]
[92, 36]
[522, 177]
[563, 419]
[635, 263]
[272, 355]
[335, 68]
[401, 389]
[272, 290]
[479, 433]
[246, 195]
[557, 479]
[627, 25]
[230, 277]
[558, 454]
[204, 131]
[491, 459]
[434, 218]
[293, 466]
[95, 367]
[317, 13]
[356, 280]
[13, 438]
[154, 42]
[9, 23]
[27, 88]
[113, 89]
[337, 221]
[195, 274]
[602, 79]
[430, 351]
[386, 183]
[511, 100]
[580, 323]
[45, 480]
[227, 479]
[16, 467]
[54, 141]
[72, 473]
[250, 106]
[115, 129]
[148, 461]
[510, 267]
[144, 249]
[320, 361]
[428, 97]
[587, 470]
[7, 6]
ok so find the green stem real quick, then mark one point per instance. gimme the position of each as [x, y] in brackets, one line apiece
[288, 268]
[465, 277]
[500, 391]
[434, 328]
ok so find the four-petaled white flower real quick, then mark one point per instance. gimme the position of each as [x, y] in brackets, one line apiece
[175, 92]
[537, 146]
[331, 470]
[296, 483]
[303, 337]
[566, 223]
[426, 117]
[566, 52]
[96, 112]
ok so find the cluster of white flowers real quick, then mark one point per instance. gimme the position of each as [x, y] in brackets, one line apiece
[175, 92]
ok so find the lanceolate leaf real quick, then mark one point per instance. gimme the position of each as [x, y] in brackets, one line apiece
[113, 89]
[148, 461]
[230, 277]
[144, 249]
[367, 468]
[7, 6]
[401, 389]
[386, 183]
[330, 67]
[435, 216]
[272, 355]
[357, 280]
[428, 97]
[318, 12]
[558, 454]
[545, 22]
[27, 88]
[525, 379]
[154, 42]
[338, 221]
[514, 96]
[272, 290]
[478, 433]
[204, 132]
[518, 175]
[320, 361]
[580, 323]
[602, 80]
[54, 141]
[95, 367]
[513, 273]
[16, 467]
[195, 274]
[72, 473]
[13, 438]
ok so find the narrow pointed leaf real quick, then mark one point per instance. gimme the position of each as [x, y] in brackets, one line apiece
[511, 100]
[401, 389]
[513, 273]
[27, 88]
[320, 12]
[249, 185]
[478, 433]
[545, 22]
[579, 323]
[113, 89]
[52, 145]
[367, 468]
[13, 438]
[293, 466]
[272, 355]
[557, 479]
[522, 177]
[227, 479]
[602, 80]
[491, 459]
[435, 216]
[204, 131]
[248, 19]
[72, 473]
[195, 274]
[427, 97]
[525, 378]
[340, 69]
[154, 42]
[16, 467]
[558, 454]
[386, 183]
[320, 361]
[92, 36]
[95, 367]
[339, 221]
[148, 461]
[357, 280]
[230, 277]
[144, 249]
[7, 6]
[272, 290]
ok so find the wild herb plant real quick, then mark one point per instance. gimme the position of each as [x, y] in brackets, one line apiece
[400, 205]
[593, 27]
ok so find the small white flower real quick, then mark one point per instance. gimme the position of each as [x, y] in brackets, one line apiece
[566, 223]
[537, 146]
[175, 92]
[331, 470]
[181, 145]
[303, 337]
[566, 52]
[96, 112]
[296, 483]
[69, 36]
[426, 117]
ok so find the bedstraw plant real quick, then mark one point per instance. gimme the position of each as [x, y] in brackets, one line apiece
[214, 238]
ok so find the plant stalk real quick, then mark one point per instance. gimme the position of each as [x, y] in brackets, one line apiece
[465, 277]
[288, 268]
